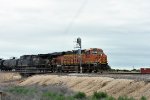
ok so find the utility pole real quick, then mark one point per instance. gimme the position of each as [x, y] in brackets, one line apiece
[79, 53]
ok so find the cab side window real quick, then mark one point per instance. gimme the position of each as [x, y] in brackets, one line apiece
[87, 52]
[94, 51]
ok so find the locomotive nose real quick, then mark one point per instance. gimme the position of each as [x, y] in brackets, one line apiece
[103, 58]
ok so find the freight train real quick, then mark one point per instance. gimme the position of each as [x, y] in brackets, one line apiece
[92, 60]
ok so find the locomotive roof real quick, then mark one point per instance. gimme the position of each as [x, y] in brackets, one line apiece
[59, 53]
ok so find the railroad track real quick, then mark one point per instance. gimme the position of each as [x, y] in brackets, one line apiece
[122, 75]
[65, 73]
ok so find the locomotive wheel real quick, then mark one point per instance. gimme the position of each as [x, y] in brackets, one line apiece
[25, 74]
[90, 71]
[84, 71]
[95, 71]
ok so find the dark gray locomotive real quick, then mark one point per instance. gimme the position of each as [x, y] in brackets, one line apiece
[40, 63]
[94, 59]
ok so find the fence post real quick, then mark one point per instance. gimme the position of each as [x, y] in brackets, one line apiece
[2, 95]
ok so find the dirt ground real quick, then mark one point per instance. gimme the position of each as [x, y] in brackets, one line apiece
[9, 77]
[114, 87]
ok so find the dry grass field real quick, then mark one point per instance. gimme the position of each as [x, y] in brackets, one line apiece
[88, 85]
[114, 87]
[9, 77]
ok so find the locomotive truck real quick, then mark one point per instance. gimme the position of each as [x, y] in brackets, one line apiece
[93, 60]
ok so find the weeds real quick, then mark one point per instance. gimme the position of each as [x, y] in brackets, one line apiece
[143, 98]
[110, 98]
[80, 95]
[21, 90]
[54, 96]
[125, 98]
[99, 95]
[56, 93]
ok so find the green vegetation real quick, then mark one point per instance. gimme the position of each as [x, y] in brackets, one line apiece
[125, 70]
[110, 98]
[54, 96]
[125, 98]
[143, 98]
[47, 94]
[99, 95]
[21, 90]
[80, 95]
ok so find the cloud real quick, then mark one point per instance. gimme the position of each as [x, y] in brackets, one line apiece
[120, 28]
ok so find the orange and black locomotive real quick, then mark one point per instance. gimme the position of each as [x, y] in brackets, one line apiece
[91, 60]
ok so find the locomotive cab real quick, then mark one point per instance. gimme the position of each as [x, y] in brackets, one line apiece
[95, 57]
[94, 51]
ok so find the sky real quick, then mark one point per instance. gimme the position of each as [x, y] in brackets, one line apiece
[120, 27]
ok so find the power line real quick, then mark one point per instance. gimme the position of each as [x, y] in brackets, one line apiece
[75, 16]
